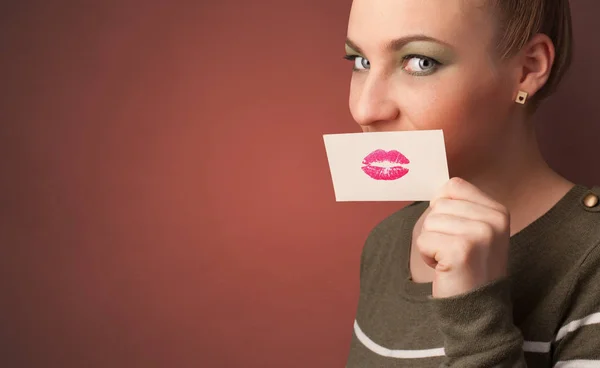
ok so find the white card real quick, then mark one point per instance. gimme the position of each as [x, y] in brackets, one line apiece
[387, 166]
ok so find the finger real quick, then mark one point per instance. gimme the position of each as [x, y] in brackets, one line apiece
[437, 250]
[457, 188]
[470, 211]
[458, 226]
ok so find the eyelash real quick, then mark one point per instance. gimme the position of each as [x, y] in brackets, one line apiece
[436, 63]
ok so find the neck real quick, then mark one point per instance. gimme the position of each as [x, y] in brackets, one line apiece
[520, 179]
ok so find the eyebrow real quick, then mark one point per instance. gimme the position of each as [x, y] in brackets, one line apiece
[398, 43]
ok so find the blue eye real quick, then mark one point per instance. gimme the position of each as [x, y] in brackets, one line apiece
[419, 65]
[360, 63]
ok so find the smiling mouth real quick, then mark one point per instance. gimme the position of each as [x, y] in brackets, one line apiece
[385, 165]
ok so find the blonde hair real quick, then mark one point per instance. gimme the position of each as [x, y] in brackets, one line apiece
[522, 19]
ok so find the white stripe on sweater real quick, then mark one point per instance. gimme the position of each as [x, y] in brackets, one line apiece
[403, 354]
[578, 364]
[536, 346]
[528, 346]
[592, 319]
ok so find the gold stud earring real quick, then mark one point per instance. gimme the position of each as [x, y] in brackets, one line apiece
[522, 97]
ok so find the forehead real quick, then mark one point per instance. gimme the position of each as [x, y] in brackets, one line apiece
[376, 22]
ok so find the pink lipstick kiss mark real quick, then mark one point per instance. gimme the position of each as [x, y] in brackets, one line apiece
[390, 161]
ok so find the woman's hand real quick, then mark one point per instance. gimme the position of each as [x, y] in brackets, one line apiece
[465, 238]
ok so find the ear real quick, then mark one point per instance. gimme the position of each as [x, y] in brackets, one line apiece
[537, 58]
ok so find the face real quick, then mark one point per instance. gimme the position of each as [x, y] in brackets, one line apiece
[431, 65]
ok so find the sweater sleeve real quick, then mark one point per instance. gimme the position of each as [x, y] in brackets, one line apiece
[479, 332]
[577, 342]
[478, 328]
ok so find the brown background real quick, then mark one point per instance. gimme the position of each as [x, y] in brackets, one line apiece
[165, 195]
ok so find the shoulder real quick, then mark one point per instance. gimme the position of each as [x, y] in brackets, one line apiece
[581, 304]
[586, 224]
[581, 228]
[573, 245]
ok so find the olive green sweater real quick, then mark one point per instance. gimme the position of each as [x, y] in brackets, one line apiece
[545, 314]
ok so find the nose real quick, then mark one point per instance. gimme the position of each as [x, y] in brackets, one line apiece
[372, 103]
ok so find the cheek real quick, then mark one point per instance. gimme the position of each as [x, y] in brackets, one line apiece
[470, 112]
[449, 104]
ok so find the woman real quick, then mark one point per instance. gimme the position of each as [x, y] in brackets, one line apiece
[501, 268]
